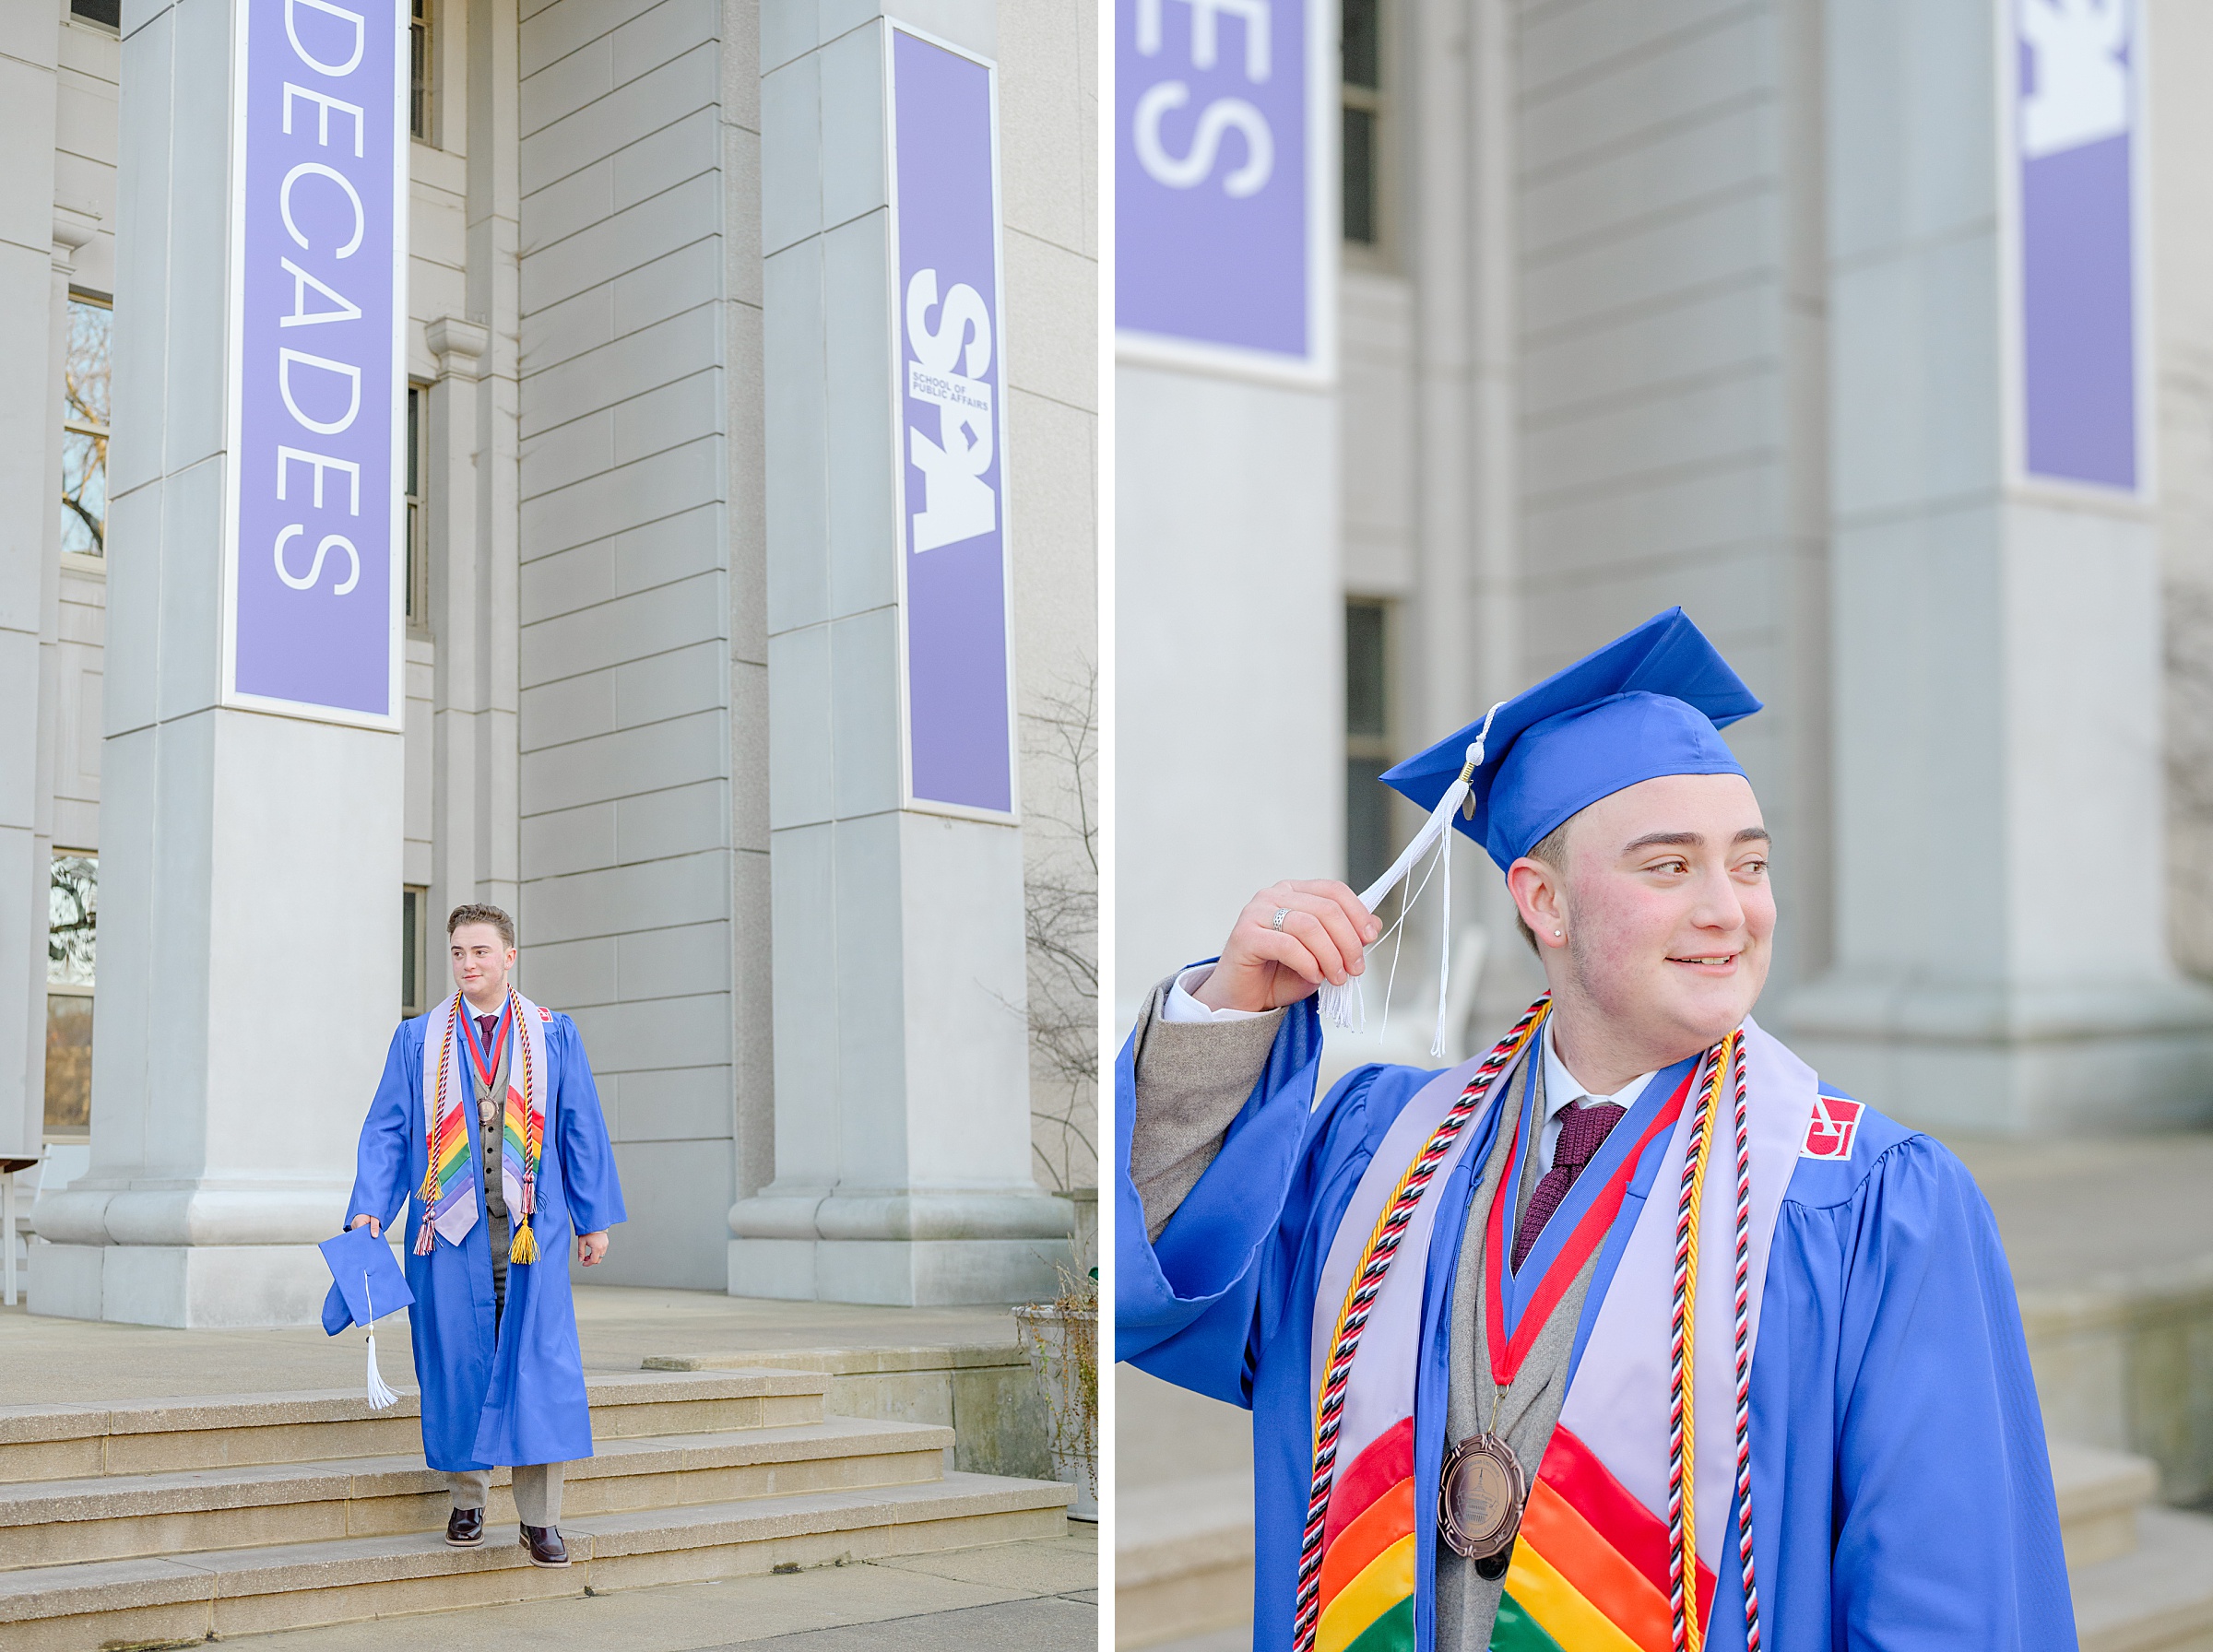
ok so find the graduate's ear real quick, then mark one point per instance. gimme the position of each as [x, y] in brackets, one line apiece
[1540, 900]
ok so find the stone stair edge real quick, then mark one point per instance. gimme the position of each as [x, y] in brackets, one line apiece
[848, 1361]
[118, 1496]
[35, 1593]
[41, 1423]
[2089, 1480]
[2158, 1596]
[2112, 1300]
[1179, 1526]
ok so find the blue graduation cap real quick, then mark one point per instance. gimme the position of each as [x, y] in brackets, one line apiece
[1649, 704]
[366, 1284]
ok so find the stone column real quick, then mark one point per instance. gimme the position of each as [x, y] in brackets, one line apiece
[902, 1109]
[250, 957]
[474, 422]
[2000, 957]
[33, 261]
[473, 622]
[1229, 696]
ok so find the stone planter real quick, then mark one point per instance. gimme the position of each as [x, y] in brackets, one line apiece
[1063, 1343]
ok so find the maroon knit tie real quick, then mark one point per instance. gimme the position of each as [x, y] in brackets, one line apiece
[1583, 1130]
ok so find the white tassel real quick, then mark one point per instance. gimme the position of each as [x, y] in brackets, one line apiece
[380, 1392]
[1343, 1006]
[380, 1395]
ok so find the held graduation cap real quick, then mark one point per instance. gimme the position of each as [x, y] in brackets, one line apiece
[366, 1284]
[1649, 704]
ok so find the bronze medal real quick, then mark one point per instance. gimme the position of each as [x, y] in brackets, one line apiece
[1480, 1497]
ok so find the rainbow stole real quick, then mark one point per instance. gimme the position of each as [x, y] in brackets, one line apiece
[447, 1088]
[1589, 1568]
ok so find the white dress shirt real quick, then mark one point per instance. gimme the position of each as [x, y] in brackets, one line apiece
[1563, 1089]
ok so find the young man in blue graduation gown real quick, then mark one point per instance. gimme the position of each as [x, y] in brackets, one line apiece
[1504, 1392]
[487, 1119]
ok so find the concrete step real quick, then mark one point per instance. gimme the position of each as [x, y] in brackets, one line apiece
[1183, 1557]
[2099, 1493]
[94, 1604]
[48, 1523]
[2156, 1597]
[167, 1436]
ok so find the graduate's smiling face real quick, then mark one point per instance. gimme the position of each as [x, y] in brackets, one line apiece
[481, 960]
[1663, 917]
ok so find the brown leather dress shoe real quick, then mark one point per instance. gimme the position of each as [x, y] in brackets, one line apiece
[544, 1545]
[465, 1527]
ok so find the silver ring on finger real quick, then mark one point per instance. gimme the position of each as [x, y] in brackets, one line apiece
[1281, 913]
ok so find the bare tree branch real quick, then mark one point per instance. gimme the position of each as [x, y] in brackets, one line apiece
[1060, 919]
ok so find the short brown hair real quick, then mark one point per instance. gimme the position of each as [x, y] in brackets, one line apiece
[1552, 849]
[474, 912]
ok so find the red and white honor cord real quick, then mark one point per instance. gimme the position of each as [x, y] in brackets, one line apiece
[1687, 1632]
[1744, 1355]
[1368, 1281]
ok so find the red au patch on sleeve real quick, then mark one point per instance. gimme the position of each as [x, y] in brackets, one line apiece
[544, 1014]
[1829, 1131]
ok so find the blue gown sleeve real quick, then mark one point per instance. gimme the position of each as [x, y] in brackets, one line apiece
[588, 1178]
[1195, 1305]
[1946, 1531]
[382, 1178]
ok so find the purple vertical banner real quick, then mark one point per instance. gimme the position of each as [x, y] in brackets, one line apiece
[2075, 101]
[950, 393]
[1224, 234]
[318, 373]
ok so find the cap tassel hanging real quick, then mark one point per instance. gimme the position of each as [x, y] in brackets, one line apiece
[1345, 1005]
[380, 1392]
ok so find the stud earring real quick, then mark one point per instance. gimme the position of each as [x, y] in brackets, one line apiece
[1557, 933]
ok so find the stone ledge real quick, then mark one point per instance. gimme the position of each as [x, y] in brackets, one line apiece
[850, 1362]
[2157, 1598]
[111, 1497]
[100, 1587]
[738, 1379]
[1169, 1532]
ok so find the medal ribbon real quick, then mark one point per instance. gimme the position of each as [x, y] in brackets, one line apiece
[488, 1066]
[1593, 1565]
[1508, 1353]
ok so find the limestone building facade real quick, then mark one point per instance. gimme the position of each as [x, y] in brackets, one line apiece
[638, 416]
[1748, 308]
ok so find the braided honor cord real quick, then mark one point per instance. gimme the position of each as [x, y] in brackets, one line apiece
[1368, 1281]
[523, 1247]
[1687, 1632]
[1744, 1356]
[426, 1237]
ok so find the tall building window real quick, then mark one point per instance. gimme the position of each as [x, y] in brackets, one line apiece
[1368, 653]
[85, 427]
[414, 974]
[72, 928]
[419, 71]
[1361, 52]
[98, 11]
[418, 520]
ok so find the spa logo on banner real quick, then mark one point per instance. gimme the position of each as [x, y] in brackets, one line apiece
[2073, 121]
[313, 548]
[949, 406]
[1226, 216]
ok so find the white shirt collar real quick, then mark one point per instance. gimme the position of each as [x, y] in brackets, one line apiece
[1563, 1089]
